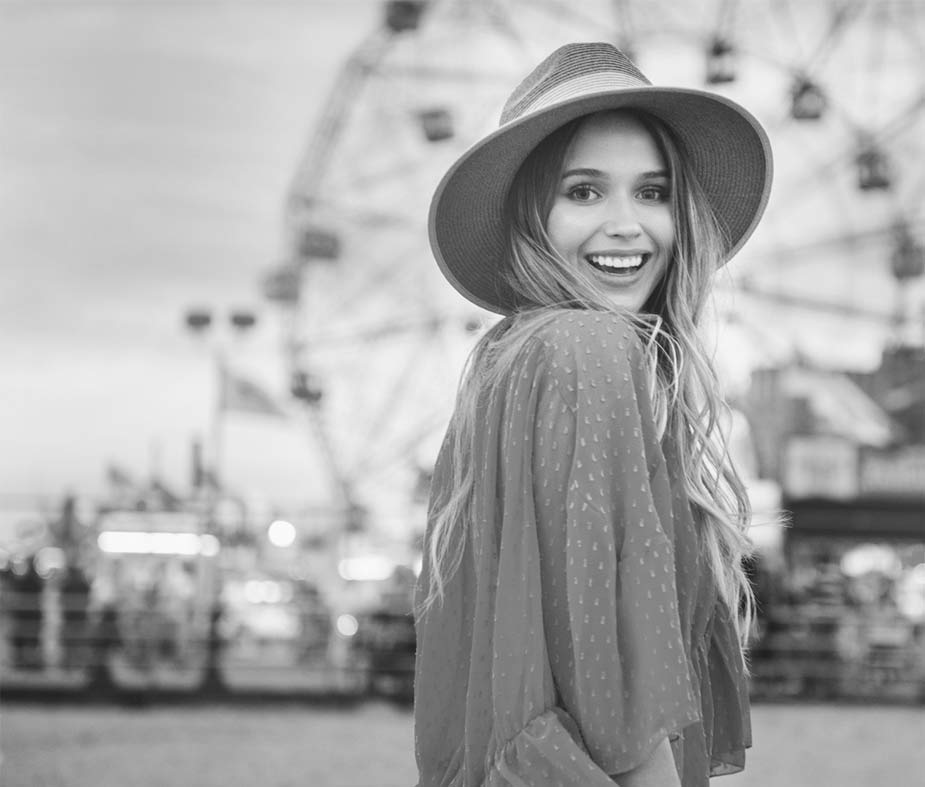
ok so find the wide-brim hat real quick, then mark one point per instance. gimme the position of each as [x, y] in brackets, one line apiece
[726, 146]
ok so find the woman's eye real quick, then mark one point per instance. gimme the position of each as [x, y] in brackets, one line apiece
[582, 193]
[653, 193]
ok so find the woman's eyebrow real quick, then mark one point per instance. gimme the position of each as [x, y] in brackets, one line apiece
[590, 172]
[585, 172]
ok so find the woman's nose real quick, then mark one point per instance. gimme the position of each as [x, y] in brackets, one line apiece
[622, 221]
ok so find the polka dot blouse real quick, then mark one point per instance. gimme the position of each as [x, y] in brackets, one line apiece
[582, 626]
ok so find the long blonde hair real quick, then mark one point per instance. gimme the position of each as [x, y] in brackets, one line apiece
[682, 379]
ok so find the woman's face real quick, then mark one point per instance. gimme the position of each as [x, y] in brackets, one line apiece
[611, 212]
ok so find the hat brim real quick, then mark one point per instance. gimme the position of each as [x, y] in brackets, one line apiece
[728, 150]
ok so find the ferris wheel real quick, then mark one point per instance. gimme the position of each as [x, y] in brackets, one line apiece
[376, 338]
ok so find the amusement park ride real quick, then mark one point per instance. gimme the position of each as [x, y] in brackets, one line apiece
[375, 338]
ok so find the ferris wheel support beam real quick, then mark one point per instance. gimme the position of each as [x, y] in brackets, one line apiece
[302, 193]
[341, 100]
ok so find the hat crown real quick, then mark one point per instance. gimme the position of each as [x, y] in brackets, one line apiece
[584, 65]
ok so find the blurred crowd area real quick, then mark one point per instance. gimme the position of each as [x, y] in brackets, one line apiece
[112, 610]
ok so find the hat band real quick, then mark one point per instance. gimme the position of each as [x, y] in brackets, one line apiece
[586, 83]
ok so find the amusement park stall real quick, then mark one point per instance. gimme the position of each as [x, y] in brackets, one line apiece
[119, 601]
[846, 618]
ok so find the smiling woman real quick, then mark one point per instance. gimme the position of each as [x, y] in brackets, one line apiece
[579, 602]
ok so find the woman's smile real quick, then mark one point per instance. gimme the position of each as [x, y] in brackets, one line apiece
[618, 262]
[612, 213]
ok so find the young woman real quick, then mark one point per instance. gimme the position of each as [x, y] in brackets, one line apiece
[578, 605]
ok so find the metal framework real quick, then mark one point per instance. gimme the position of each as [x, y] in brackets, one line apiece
[840, 85]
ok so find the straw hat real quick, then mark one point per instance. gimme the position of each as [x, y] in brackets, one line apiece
[727, 148]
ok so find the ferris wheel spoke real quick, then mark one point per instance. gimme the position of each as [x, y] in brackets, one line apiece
[439, 73]
[371, 333]
[911, 27]
[624, 16]
[379, 332]
[502, 21]
[806, 187]
[352, 215]
[823, 307]
[915, 201]
[844, 14]
[668, 19]
[784, 13]
[878, 32]
[396, 169]
[391, 277]
[372, 281]
[727, 16]
[567, 11]
[902, 121]
[429, 426]
[394, 394]
[809, 250]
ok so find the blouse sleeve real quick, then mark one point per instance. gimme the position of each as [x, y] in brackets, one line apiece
[601, 508]
[731, 730]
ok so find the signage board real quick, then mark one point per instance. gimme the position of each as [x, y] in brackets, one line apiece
[897, 473]
[820, 466]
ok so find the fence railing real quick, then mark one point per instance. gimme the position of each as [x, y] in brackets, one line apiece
[835, 654]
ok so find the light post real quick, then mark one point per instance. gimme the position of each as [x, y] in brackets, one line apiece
[206, 477]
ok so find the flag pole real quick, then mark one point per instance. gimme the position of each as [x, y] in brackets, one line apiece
[218, 414]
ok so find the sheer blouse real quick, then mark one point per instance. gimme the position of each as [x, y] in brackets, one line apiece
[583, 624]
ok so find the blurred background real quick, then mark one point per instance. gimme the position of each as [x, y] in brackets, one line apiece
[228, 361]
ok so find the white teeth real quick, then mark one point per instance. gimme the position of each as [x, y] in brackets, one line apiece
[620, 263]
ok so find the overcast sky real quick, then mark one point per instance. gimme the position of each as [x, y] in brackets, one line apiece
[145, 149]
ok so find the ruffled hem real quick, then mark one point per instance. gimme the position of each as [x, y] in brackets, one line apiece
[547, 751]
[544, 752]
